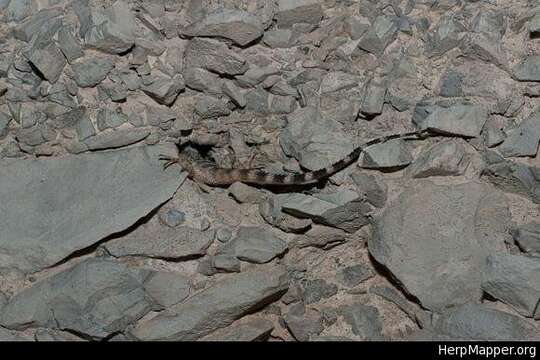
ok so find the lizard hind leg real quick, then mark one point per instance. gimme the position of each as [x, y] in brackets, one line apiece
[169, 160]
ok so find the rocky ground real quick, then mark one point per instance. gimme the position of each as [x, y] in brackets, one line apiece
[428, 238]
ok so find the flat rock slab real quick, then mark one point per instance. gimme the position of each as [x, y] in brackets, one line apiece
[217, 306]
[53, 207]
[435, 239]
[96, 297]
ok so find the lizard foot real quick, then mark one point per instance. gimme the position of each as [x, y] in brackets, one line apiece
[169, 160]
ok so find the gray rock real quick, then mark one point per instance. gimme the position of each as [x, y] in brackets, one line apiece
[20, 9]
[5, 119]
[211, 107]
[395, 297]
[515, 178]
[353, 275]
[217, 306]
[451, 84]
[374, 192]
[168, 243]
[48, 60]
[35, 233]
[33, 136]
[90, 72]
[9, 335]
[446, 158]
[54, 335]
[282, 104]
[391, 154]
[338, 80]
[439, 229]
[236, 25]
[356, 27]
[382, 33]
[42, 25]
[475, 322]
[316, 290]
[291, 12]
[113, 30]
[167, 288]
[256, 75]
[258, 101]
[447, 35]
[254, 244]
[278, 38]
[527, 236]
[116, 138]
[164, 90]
[116, 91]
[96, 297]
[304, 326]
[321, 237]
[107, 118]
[226, 263]
[490, 22]
[515, 280]
[455, 118]
[84, 127]
[344, 209]
[172, 217]
[373, 100]
[214, 56]
[493, 135]
[272, 213]
[523, 140]
[364, 321]
[256, 329]
[315, 142]
[202, 80]
[486, 48]
[528, 69]
[69, 44]
[246, 194]
[234, 93]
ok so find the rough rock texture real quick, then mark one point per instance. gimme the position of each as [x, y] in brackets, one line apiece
[77, 201]
[440, 229]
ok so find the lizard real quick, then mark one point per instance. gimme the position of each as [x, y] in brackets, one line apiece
[206, 172]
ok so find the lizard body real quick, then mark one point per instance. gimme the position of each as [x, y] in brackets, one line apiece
[207, 173]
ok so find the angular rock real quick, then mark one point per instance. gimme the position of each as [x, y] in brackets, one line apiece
[49, 61]
[107, 118]
[167, 288]
[445, 233]
[304, 326]
[92, 71]
[214, 56]
[528, 69]
[527, 236]
[164, 90]
[381, 34]
[291, 12]
[523, 140]
[5, 119]
[9, 335]
[364, 321]
[115, 139]
[69, 44]
[373, 101]
[256, 329]
[446, 158]
[210, 107]
[315, 290]
[257, 101]
[42, 24]
[282, 104]
[515, 280]
[351, 276]
[338, 80]
[344, 209]
[455, 118]
[217, 306]
[236, 25]
[315, 142]
[202, 80]
[96, 297]
[375, 192]
[35, 231]
[490, 22]
[20, 9]
[446, 35]
[391, 154]
[246, 194]
[234, 93]
[167, 243]
[113, 30]
[278, 38]
[254, 244]
[475, 322]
